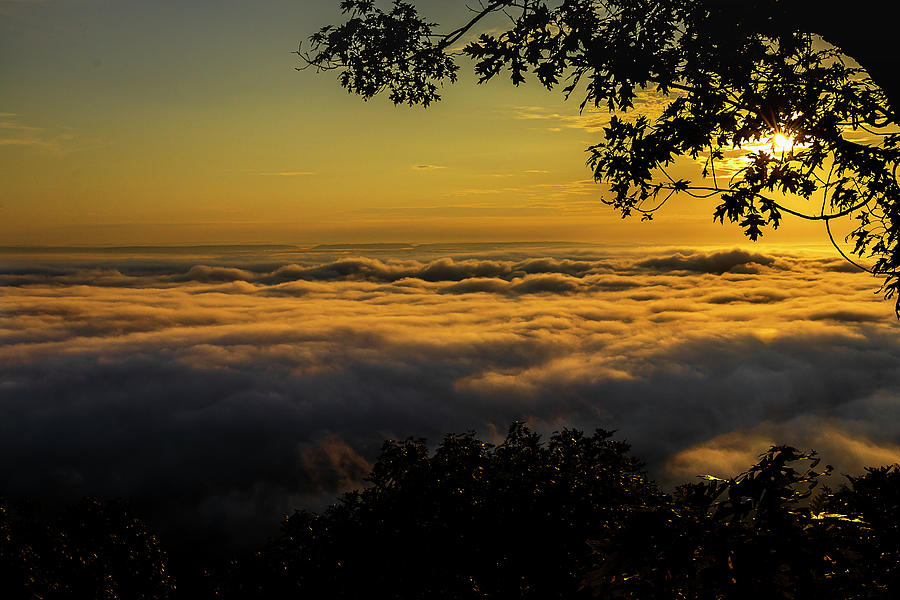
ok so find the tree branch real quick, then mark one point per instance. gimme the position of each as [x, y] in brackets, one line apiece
[826, 218]
[453, 36]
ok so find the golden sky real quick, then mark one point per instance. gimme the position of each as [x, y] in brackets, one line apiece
[125, 121]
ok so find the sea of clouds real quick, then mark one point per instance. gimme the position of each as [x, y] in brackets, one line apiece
[221, 387]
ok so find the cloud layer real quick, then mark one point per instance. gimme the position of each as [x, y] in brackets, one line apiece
[229, 388]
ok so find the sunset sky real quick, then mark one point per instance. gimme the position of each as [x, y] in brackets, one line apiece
[185, 122]
[225, 282]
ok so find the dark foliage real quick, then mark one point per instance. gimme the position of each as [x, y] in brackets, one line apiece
[571, 517]
[755, 536]
[729, 78]
[93, 550]
[873, 499]
[469, 521]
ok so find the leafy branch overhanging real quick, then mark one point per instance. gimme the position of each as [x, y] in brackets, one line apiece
[731, 78]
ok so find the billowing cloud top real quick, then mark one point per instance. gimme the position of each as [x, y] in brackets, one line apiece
[238, 383]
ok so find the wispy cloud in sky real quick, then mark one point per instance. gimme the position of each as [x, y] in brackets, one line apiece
[15, 133]
[289, 173]
[591, 118]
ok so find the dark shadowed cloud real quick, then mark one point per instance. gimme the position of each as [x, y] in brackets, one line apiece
[229, 389]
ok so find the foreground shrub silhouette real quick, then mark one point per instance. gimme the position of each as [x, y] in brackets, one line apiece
[571, 517]
[754, 536]
[577, 517]
[874, 500]
[760, 535]
[471, 520]
[92, 550]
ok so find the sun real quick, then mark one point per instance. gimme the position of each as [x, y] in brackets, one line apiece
[782, 144]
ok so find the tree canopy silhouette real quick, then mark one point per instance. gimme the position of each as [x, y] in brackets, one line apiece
[94, 549]
[575, 516]
[470, 520]
[570, 516]
[760, 93]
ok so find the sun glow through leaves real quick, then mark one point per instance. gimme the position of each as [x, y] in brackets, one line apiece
[782, 144]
